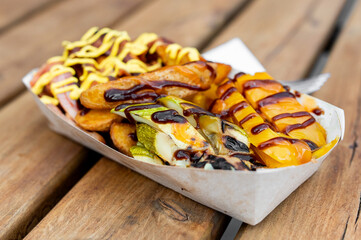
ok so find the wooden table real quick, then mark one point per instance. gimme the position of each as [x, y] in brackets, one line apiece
[53, 188]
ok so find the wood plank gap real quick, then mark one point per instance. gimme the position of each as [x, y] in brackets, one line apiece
[237, 11]
[5, 99]
[131, 12]
[321, 59]
[90, 158]
[337, 182]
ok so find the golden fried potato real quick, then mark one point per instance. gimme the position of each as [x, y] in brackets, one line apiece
[179, 81]
[93, 98]
[123, 136]
[96, 120]
[222, 71]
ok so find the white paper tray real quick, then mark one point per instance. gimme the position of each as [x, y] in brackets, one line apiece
[247, 196]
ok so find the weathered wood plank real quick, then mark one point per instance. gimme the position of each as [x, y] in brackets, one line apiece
[113, 202]
[200, 222]
[29, 44]
[285, 36]
[37, 166]
[189, 22]
[11, 12]
[209, 217]
[328, 205]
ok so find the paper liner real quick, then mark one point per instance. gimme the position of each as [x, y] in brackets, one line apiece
[247, 196]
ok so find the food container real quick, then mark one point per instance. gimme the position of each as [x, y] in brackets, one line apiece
[244, 195]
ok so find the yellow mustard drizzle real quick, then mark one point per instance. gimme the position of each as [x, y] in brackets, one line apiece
[49, 100]
[111, 65]
[46, 78]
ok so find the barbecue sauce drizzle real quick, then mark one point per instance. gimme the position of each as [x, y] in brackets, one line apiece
[115, 95]
[272, 99]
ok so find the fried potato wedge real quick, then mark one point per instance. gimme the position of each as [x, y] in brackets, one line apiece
[123, 136]
[180, 81]
[222, 70]
[96, 120]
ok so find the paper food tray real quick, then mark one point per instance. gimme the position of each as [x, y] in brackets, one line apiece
[247, 196]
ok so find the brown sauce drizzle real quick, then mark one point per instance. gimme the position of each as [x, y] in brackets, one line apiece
[115, 95]
[311, 144]
[305, 124]
[293, 115]
[209, 67]
[235, 108]
[187, 154]
[133, 136]
[318, 111]
[195, 110]
[259, 128]
[275, 98]
[227, 93]
[211, 106]
[258, 84]
[297, 94]
[248, 117]
[275, 141]
[167, 116]
[286, 88]
[128, 109]
[240, 74]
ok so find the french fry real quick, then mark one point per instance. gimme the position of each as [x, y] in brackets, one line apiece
[96, 120]
[123, 136]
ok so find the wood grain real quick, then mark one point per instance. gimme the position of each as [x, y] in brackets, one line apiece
[328, 205]
[189, 219]
[285, 36]
[11, 12]
[30, 44]
[189, 22]
[212, 221]
[113, 202]
[37, 167]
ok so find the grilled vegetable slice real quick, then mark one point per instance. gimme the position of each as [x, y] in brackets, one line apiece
[139, 152]
[275, 149]
[226, 138]
[185, 137]
[160, 144]
[281, 108]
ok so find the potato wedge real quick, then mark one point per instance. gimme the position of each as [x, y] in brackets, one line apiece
[96, 120]
[123, 136]
[180, 81]
[222, 70]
